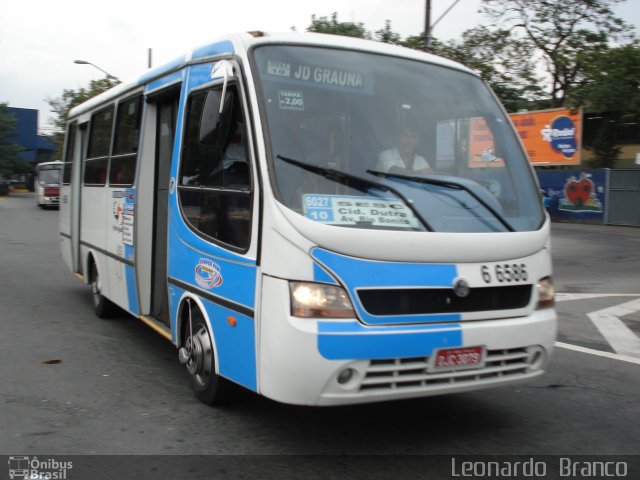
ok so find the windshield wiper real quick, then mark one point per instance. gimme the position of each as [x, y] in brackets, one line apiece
[447, 183]
[333, 174]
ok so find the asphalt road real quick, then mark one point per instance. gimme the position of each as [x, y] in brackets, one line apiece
[74, 384]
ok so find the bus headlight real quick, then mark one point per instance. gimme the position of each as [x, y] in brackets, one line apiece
[546, 293]
[313, 300]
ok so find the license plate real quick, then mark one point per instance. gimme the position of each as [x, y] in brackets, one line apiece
[459, 358]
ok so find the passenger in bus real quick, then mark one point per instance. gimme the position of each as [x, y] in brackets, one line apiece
[234, 159]
[403, 157]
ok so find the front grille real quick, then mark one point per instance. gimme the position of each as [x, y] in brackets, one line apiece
[410, 373]
[421, 301]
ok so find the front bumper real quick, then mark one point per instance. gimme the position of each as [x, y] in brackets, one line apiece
[300, 360]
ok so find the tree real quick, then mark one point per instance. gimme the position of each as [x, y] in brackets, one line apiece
[386, 35]
[72, 98]
[10, 162]
[334, 27]
[561, 34]
[611, 87]
[502, 60]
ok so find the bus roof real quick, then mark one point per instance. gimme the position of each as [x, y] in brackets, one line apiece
[54, 162]
[236, 43]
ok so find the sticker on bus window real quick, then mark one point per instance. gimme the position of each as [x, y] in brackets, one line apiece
[361, 211]
[290, 100]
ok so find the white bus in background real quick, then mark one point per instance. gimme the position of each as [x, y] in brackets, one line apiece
[252, 202]
[47, 183]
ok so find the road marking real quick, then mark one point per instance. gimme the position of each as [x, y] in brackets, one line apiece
[561, 297]
[620, 337]
[623, 340]
[598, 353]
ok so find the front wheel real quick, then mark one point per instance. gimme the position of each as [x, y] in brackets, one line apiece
[209, 387]
[102, 306]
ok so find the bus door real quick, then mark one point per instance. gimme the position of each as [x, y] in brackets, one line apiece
[166, 115]
[68, 191]
[156, 153]
[82, 137]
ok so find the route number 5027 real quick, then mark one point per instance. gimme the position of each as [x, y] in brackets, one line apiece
[505, 273]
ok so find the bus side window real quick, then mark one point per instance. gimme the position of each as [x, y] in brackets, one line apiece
[95, 166]
[68, 156]
[122, 169]
[220, 206]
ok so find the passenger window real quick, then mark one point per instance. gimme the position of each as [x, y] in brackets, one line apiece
[68, 157]
[95, 167]
[125, 149]
[215, 181]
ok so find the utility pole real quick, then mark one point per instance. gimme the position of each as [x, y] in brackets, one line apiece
[427, 24]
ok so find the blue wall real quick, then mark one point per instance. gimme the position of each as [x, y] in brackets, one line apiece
[575, 195]
[27, 135]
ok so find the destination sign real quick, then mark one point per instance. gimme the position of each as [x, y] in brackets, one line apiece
[366, 211]
[320, 75]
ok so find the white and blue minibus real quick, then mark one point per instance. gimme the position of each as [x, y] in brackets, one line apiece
[319, 219]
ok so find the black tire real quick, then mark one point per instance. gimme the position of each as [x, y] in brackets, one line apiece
[209, 387]
[102, 306]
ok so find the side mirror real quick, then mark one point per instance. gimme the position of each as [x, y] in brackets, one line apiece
[214, 124]
[217, 110]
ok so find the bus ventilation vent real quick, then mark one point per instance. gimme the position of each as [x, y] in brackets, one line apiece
[413, 373]
[422, 301]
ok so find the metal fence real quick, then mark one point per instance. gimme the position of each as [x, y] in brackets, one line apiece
[623, 198]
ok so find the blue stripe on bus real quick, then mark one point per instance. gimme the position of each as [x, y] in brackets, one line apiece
[129, 254]
[359, 273]
[322, 276]
[162, 69]
[164, 81]
[352, 341]
[132, 291]
[354, 274]
[235, 346]
[217, 271]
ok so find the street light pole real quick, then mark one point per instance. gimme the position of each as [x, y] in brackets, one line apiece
[84, 62]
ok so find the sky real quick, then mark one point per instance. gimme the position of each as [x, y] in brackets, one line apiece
[40, 39]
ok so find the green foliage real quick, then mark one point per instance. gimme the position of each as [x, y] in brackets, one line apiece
[334, 27]
[611, 86]
[523, 35]
[10, 163]
[386, 35]
[561, 35]
[502, 60]
[72, 98]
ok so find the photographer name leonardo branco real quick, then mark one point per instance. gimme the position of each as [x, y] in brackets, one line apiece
[531, 468]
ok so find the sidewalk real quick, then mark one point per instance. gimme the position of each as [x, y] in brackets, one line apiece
[589, 227]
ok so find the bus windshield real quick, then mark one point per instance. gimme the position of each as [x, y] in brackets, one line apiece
[49, 175]
[436, 149]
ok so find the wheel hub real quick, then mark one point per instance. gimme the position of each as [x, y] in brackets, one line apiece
[199, 363]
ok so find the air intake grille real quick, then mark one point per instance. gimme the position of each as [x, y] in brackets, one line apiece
[411, 373]
[420, 301]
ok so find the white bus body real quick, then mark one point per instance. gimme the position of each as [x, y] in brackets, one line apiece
[237, 201]
[47, 183]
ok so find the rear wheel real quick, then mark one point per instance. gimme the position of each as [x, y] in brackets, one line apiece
[102, 306]
[209, 387]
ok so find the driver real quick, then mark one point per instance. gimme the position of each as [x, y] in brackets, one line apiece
[403, 157]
